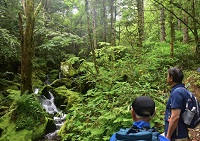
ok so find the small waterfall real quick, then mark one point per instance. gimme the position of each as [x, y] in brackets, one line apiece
[50, 107]
[48, 104]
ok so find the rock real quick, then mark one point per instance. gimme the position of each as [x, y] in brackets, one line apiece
[50, 127]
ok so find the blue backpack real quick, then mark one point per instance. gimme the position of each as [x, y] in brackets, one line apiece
[136, 134]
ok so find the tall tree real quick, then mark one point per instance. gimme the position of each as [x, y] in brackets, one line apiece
[193, 18]
[162, 23]
[196, 36]
[112, 22]
[94, 25]
[185, 28]
[104, 18]
[27, 43]
[140, 8]
[91, 43]
[172, 31]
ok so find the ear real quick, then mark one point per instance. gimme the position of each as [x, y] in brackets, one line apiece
[171, 78]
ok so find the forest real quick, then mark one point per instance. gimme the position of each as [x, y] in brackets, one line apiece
[94, 57]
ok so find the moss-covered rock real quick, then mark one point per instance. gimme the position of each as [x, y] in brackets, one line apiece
[64, 96]
[24, 120]
[50, 127]
[67, 69]
[63, 81]
[8, 132]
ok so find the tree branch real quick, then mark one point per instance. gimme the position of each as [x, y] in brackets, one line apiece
[179, 6]
[175, 16]
[38, 8]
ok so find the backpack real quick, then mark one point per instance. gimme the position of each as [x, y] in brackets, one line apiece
[191, 115]
[137, 134]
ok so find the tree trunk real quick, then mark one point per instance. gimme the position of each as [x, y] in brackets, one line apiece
[172, 34]
[112, 23]
[195, 27]
[27, 44]
[90, 36]
[94, 19]
[27, 47]
[162, 23]
[47, 7]
[140, 8]
[185, 29]
[104, 22]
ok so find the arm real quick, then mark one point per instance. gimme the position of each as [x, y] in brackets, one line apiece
[173, 122]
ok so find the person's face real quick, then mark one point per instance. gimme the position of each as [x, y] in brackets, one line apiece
[169, 79]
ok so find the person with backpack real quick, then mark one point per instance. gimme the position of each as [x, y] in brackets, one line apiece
[175, 128]
[142, 110]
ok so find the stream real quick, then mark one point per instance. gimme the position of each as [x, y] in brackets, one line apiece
[50, 107]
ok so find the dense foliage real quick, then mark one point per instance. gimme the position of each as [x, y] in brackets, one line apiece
[111, 51]
[28, 112]
[124, 75]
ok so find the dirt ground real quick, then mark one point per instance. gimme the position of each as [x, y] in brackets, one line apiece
[195, 133]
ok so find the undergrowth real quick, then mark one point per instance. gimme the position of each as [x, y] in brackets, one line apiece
[28, 112]
[125, 73]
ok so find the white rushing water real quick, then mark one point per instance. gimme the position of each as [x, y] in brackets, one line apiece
[50, 107]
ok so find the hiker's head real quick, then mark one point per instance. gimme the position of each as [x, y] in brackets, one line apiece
[175, 75]
[143, 108]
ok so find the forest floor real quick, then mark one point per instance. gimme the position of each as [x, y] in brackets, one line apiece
[194, 133]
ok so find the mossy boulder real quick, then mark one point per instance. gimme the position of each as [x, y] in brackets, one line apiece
[63, 81]
[64, 96]
[24, 120]
[50, 127]
[9, 132]
[67, 69]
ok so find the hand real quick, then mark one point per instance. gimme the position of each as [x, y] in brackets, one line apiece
[168, 137]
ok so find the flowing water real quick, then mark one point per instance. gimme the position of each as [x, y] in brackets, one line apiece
[50, 107]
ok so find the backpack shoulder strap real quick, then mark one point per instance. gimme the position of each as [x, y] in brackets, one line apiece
[183, 88]
[188, 92]
[133, 129]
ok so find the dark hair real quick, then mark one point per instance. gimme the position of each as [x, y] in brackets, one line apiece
[177, 74]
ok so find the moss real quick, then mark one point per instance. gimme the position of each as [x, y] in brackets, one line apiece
[67, 69]
[37, 83]
[10, 134]
[63, 81]
[25, 119]
[67, 96]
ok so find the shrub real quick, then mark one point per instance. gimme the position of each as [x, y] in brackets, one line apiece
[28, 112]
